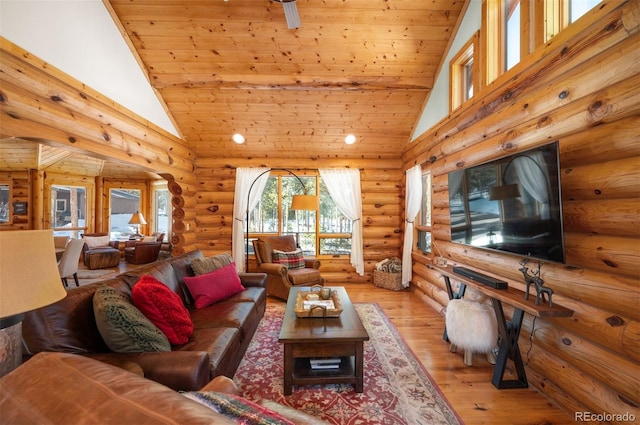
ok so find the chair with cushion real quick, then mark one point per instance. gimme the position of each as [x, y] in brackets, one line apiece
[142, 252]
[68, 264]
[282, 261]
[99, 251]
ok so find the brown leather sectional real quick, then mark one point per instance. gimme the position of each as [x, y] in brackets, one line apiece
[222, 332]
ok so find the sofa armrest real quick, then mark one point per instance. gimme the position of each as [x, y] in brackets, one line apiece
[253, 279]
[273, 269]
[179, 370]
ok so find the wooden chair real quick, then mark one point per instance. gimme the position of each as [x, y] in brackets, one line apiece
[279, 278]
[68, 264]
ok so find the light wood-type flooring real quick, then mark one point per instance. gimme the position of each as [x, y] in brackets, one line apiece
[468, 389]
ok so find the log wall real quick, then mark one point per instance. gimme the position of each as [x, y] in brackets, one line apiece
[581, 89]
[382, 207]
[39, 102]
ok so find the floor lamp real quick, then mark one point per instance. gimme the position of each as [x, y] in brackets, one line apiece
[29, 279]
[302, 202]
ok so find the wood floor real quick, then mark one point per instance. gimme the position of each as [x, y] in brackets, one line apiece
[468, 389]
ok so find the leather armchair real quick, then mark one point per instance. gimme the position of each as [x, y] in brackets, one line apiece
[279, 278]
[142, 252]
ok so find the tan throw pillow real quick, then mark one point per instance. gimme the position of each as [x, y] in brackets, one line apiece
[210, 264]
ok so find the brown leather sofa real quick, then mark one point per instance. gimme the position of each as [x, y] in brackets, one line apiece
[59, 388]
[279, 278]
[221, 336]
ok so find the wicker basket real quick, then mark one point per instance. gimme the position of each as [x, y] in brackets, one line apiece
[387, 280]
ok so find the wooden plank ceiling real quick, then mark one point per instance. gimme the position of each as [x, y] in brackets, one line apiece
[21, 155]
[354, 66]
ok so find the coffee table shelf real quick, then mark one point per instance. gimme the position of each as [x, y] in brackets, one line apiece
[306, 338]
[345, 373]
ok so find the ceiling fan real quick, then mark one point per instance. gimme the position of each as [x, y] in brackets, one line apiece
[290, 13]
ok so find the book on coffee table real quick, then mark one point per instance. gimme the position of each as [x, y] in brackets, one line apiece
[328, 304]
[325, 363]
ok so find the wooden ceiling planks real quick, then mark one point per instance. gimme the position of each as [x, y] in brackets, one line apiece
[21, 155]
[359, 66]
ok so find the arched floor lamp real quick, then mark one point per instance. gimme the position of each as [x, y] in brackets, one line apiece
[302, 202]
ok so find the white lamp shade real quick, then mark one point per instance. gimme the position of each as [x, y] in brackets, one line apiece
[29, 277]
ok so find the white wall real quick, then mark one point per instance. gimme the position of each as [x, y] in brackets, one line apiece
[437, 107]
[80, 38]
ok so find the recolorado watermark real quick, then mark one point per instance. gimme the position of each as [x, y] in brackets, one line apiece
[603, 417]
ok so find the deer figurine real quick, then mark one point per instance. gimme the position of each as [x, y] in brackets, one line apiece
[535, 279]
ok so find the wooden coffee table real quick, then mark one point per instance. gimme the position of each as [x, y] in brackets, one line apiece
[317, 337]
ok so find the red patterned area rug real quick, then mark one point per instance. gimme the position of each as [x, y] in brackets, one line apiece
[397, 388]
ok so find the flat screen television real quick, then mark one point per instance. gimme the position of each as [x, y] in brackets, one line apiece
[511, 204]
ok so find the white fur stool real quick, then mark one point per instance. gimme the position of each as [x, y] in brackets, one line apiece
[473, 327]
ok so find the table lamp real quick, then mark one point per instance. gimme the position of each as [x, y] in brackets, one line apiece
[29, 279]
[137, 218]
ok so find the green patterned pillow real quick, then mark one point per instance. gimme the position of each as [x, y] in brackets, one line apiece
[211, 264]
[122, 326]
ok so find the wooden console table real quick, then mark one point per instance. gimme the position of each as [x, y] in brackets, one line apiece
[509, 331]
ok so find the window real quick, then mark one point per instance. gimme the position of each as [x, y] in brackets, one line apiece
[505, 25]
[162, 211]
[577, 8]
[558, 14]
[512, 31]
[335, 228]
[61, 204]
[463, 70]
[424, 228]
[68, 210]
[123, 204]
[328, 235]
[5, 206]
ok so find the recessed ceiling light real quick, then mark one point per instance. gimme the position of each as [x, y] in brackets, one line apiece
[238, 138]
[350, 139]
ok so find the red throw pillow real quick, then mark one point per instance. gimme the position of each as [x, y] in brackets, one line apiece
[209, 288]
[164, 308]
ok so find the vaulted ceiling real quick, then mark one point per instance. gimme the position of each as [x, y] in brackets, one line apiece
[362, 67]
[353, 66]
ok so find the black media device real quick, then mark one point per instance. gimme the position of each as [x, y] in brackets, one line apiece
[481, 278]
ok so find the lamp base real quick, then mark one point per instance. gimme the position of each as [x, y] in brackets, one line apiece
[10, 348]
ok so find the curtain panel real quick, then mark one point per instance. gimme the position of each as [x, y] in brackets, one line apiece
[343, 185]
[413, 199]
[245, 178]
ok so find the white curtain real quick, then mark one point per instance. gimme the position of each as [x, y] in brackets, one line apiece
[343, 185]
[413, 199]
[245, 177]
